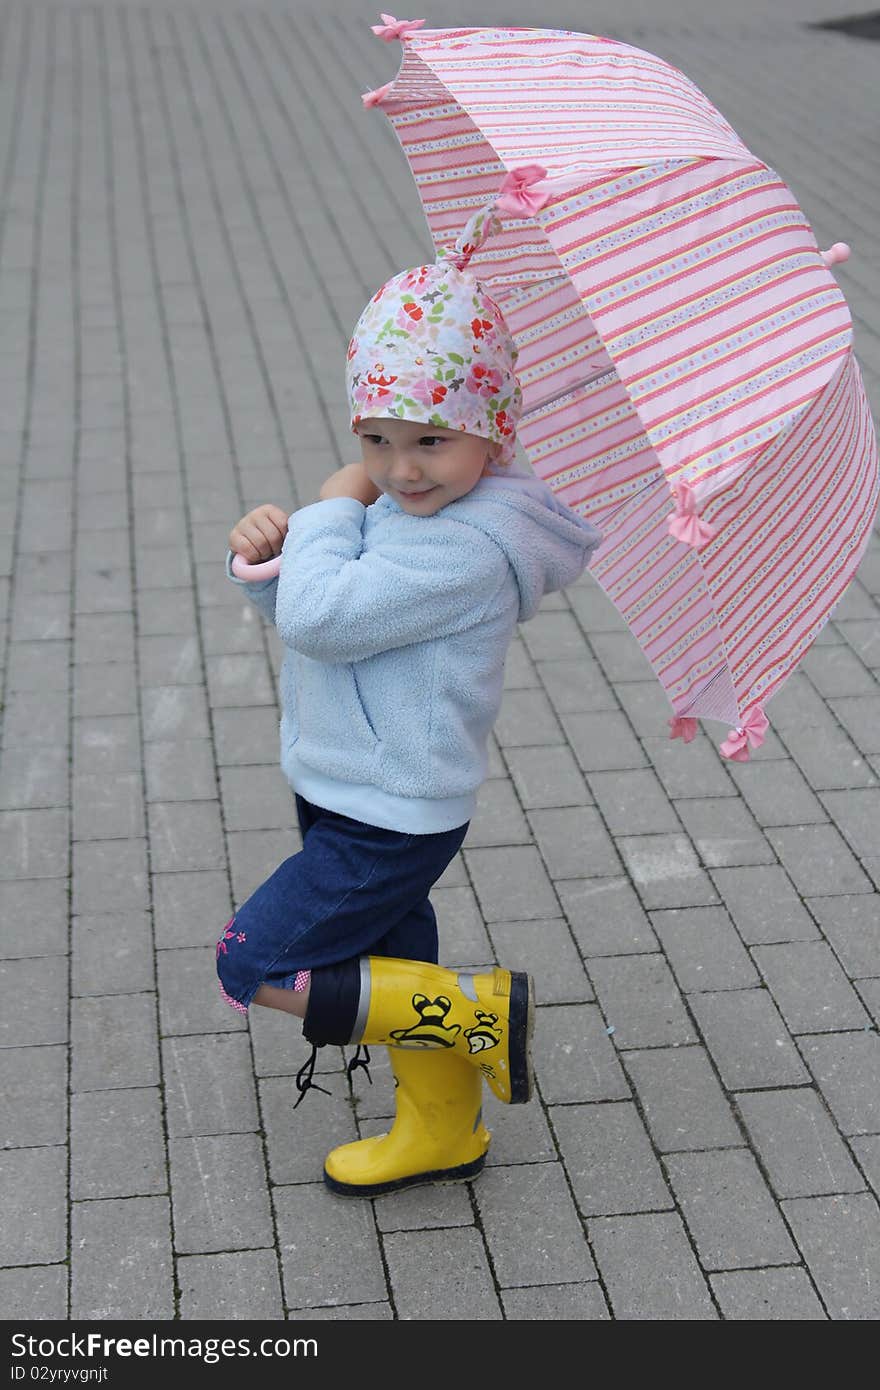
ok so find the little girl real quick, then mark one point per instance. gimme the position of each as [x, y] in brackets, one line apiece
[398, 594]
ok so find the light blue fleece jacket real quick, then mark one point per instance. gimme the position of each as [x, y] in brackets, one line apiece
[396, 629]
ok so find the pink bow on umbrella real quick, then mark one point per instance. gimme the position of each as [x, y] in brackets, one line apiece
[686, 525]
[750, 734]
[516, 197]
[683, 727]
[391, 28]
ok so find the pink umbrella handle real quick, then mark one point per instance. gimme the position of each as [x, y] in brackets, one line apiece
[267, 569]
[838, 252]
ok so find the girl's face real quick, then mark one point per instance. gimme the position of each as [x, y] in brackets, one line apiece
[423, 467]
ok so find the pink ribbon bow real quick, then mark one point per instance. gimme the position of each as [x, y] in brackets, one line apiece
[683, 727]
[515, 197]
[391, 28]
[750, 734]
[378, 94]
[685, 525]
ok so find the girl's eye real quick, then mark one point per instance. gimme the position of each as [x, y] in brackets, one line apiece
[431, 439]
[372, 438]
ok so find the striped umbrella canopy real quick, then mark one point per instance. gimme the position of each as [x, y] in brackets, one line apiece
[685, 353]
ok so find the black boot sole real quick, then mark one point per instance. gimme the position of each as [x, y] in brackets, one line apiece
[462, 1173]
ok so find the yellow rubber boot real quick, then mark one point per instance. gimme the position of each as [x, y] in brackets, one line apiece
[437, 1136]
[484, 1017]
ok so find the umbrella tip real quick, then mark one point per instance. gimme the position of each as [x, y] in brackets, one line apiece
[838, 252]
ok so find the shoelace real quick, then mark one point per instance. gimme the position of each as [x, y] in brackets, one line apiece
[359, 1061]
[304, 1076]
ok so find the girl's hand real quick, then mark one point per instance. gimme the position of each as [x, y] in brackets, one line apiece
[260, 534]
[350, 481]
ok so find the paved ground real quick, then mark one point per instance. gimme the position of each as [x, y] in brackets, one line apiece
[195, 208]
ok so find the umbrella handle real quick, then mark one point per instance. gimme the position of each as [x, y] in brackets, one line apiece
[252, 574]
[838, 252]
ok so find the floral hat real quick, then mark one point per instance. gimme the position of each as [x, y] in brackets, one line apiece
[432, 347]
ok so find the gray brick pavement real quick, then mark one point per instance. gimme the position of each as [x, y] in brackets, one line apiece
[188, 225]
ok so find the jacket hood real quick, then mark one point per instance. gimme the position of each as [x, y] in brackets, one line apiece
[547, 544]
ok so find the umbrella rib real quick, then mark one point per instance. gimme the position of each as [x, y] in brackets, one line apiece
[568, 391]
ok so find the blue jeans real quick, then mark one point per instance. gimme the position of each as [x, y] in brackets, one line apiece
[352, 890]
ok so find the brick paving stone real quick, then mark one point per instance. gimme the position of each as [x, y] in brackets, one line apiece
[185, 835]
[31, 778]
[747, 1039]
[555, 1303]
[869, 991]
[551, 636]
[682, 1102]
[310, 1219]
[35, 1293]
[850, 925]
[703, 948]
[633, 803]
[165, 611]
[460, 1286]
[777, 793]
[172, 712]
[33, 1205]
[698, 771]
[837, 672]
[526, 719]
[116, 1144]
[121, 1262]
[818, 860]
[38, 666]
[784, 1294]
[104, 688]
[830, 760]
[603, 741]
[723, 832]
[298, 1140]
[243, 737]
[546, 1244]
[730, 1211]
[547, 777]
[511, 884]
[34, 916]
[112, 953]
[764, 905]
[209, 1085]
[641, 1001]
[433, 1207]
[799, 1147]
[606, 917]
[574, 842]
[241, 1286]
[649, 1270]
[35, 719]
[857, 814]
[574, 1057]
[867, 1150]
[811, 990]
[256, 798]
[108, 806]
[113, 1042]
[520, 1133]
[840, 1241]
[109, 744]
[609, 1159]
[546, 951]
[845, 1067]
[109, 876]
[33, 844]
[576, 685]
[219, 1192]
[498, 818]
[859, 716]
[666, 871]
[22, 983]
[33, 1083]
[103, 637]
[181, 770]
[464, 939]
[189, 993]
[190, 909]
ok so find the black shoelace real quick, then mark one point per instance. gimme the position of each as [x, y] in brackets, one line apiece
[304, 1076]
[359, 1061]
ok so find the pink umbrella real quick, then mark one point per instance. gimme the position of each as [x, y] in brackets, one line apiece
[685, 353]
